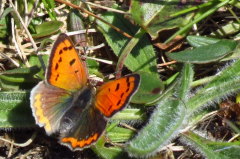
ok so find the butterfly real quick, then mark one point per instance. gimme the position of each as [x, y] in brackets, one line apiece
[67, 104]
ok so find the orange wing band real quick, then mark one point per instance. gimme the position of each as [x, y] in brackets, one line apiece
[42, 119]
[75, 143]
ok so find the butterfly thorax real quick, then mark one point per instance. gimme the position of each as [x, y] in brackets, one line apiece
[82, 102]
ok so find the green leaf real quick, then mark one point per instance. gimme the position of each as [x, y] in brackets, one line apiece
[142, 58]
[34, 60]
[236, 3]
[129, 114]
[47, 28]
[205, 54]
[19, 78]
[5, 25]
[222, 85]
[166, 121]
[112, 152]
[6, 12]
[93, 67]
[119, 134]
[15, 110]
[212, 149]
[197, 41]
[156, 16]
[148, 91]
[49, 6]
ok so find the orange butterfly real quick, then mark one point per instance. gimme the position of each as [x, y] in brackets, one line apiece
[67, 104]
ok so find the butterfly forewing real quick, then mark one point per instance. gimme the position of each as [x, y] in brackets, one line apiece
[115, 95]
[66, 70]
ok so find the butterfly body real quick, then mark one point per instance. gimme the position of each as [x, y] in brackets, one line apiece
[65, 103]
[82, 121]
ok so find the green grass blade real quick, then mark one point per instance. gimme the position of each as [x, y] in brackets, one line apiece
[212, 149]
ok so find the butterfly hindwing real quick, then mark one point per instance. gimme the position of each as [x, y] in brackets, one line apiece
[66, 70]
[82, 124]
[48, 105]
[115, 95]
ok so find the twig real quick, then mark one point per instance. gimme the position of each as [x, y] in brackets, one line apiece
[28, 142]
[10, 150]
[128, 126]
[81, 32]
[99, 60]
[14, 62]
[166, 63]
[234, 137]
[2, 6]
[91, 48]
[17, 46]
[106, 8]
[26, 11]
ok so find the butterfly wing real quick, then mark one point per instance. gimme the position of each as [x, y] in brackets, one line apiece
[48, 105]
[82, 124]
[66, 70]
[115, 95]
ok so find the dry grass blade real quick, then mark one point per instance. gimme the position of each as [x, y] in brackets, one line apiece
[24, 26]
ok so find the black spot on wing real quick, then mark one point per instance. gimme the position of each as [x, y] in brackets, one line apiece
[60, 59]
[128, 84]
[60, 52]
[57, 77]
[117, 87]
[110, 107]
[56, 66]
[119, 102]
[122, 95]
[128, 78]
[65, 48]
[76, 71]
[72, 62]
[70, 48]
